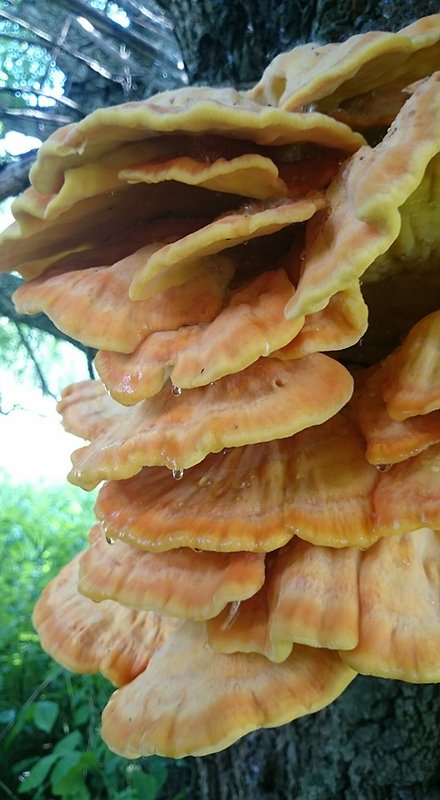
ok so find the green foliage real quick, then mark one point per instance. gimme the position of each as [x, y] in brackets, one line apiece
[50, 745]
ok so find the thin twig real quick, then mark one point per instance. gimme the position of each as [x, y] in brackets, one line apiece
[28, 113]
[59, 43]
[158, 19]
[28, 347]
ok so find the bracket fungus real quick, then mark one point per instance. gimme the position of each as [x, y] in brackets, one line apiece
[165, 583]
[262, 282]
[90, 637]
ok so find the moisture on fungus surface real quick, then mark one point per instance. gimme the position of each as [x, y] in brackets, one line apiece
[260, 278]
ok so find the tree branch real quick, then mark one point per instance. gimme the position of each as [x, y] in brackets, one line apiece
[64, 101]
[30, 351]
[105, 25]
[33, 113]
[114, 51]
[14, 176]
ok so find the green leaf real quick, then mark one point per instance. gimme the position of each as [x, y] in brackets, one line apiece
[38, 773]
[147, 786]
[45, 714]
[81, 714]
[72, 786]
[65, 765]
[69, 743]
[68, 776]
[7, 716]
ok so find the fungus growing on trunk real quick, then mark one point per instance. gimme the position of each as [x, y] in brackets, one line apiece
[262, 284]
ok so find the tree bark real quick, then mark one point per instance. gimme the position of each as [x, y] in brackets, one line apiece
[14, 176]
[233, 42]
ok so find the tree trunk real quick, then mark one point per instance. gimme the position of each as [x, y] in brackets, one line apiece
[232, 42]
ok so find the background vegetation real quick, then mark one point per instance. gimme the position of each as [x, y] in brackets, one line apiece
[50, 745]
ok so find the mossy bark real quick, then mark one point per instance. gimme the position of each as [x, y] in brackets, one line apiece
[379, 741]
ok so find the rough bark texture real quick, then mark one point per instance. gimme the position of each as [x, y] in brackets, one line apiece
[233, 42]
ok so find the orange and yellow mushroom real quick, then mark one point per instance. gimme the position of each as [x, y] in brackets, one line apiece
[261, 281]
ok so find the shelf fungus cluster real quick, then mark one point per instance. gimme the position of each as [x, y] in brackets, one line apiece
[259, 272]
